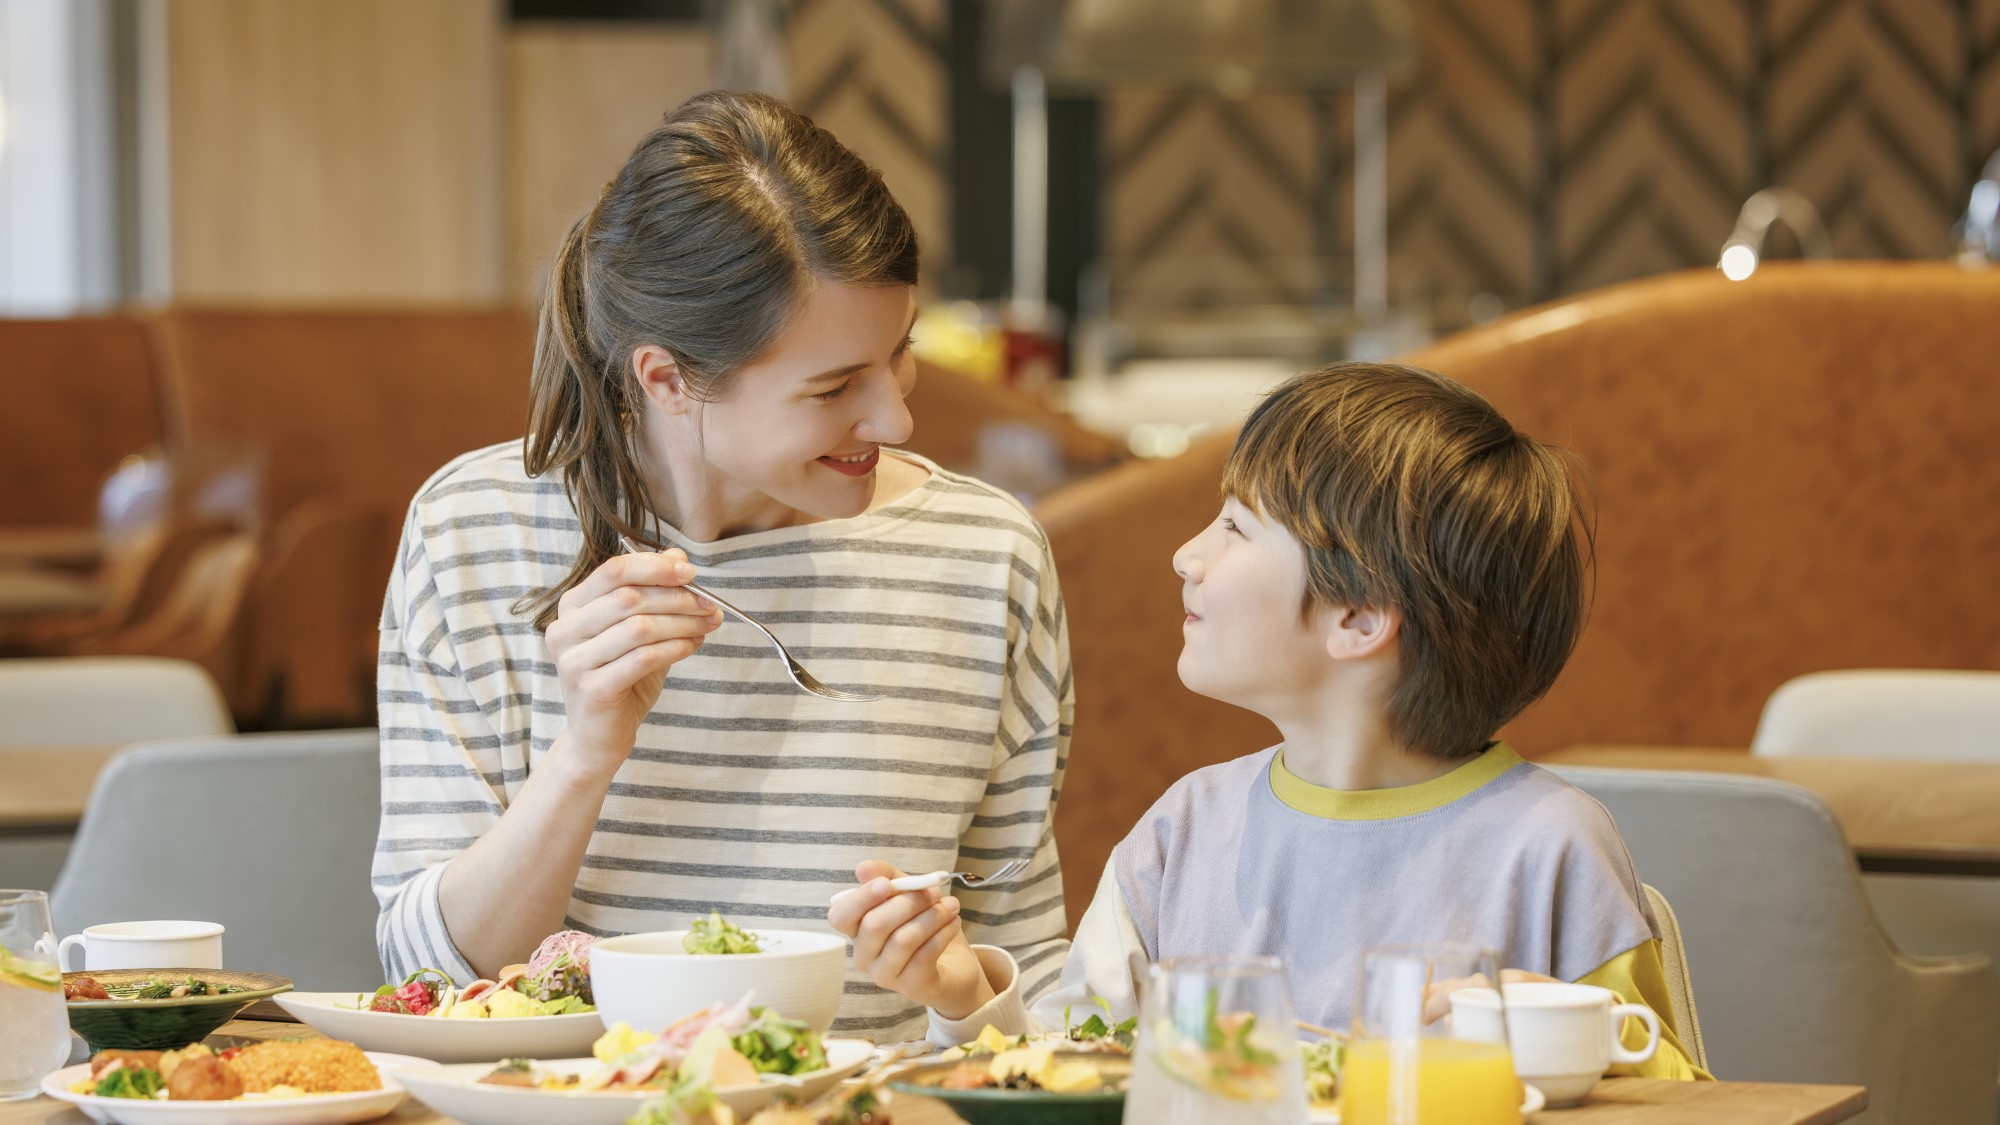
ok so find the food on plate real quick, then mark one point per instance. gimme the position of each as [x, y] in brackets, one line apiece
[84, 988]
[277, 1069]
[1092, 1035]
[1025, 1068]
[554, 982]
[718, 1047]
[860, 1106]
[155, 988]
[716, 934]
[721, 1045]
[1322, 1061]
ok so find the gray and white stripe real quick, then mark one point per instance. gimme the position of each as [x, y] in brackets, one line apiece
[741, 794]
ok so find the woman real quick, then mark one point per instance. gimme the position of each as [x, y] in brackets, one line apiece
[571, 739]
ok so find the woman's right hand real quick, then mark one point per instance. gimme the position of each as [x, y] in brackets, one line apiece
[615, 636]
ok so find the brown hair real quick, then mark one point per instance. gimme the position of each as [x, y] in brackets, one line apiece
[1410, 491]
[706, 243]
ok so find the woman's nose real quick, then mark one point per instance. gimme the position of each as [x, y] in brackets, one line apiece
[888, 418]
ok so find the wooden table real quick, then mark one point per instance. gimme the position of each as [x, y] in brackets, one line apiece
[27, 592]
[45, 788]
[1921, 817]
[1616, 1101]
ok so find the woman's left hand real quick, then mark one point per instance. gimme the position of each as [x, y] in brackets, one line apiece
[911, 942]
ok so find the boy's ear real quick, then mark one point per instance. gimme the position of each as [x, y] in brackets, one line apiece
[660, 378]
[1361, 632]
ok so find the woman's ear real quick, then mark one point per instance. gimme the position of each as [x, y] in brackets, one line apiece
[660, 379]
[1357, 634]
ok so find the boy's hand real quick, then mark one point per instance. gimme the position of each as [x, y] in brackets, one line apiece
[911, 942]
[1437, 996]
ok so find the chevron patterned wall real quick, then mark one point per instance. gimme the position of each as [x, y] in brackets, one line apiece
[1539, 147]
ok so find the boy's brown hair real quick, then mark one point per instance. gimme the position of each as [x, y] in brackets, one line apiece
[1410, 491]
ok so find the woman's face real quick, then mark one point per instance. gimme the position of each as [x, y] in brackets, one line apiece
[805, 422]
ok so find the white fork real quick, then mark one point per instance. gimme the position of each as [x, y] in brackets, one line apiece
[1007, 871]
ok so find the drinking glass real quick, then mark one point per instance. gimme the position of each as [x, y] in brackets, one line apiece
[34, 1025]
[1404, 1069]
[1215, 1044]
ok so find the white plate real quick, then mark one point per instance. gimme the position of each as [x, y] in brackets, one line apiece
[1532, 1101]
[316, 1109]
[333, 1015]
[456, 1091]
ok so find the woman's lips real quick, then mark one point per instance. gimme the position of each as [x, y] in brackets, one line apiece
[859, 468]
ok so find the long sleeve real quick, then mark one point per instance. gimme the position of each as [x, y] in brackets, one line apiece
[1106, 963]
[1020, 924]
[1638, 976]
[445, 772]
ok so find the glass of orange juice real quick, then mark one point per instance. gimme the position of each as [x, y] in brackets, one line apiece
[1406, 1068]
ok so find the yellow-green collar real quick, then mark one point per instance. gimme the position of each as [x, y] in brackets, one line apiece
[1387, 804]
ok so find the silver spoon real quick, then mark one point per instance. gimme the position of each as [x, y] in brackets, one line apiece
[793, 668]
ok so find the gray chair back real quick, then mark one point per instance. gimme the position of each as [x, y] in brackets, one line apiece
[271, 835]
[1798, 982]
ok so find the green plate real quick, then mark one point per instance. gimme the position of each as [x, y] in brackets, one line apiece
[163, 1025]
[1027, 1107]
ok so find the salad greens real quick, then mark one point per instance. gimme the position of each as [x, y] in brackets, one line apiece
[776, 1045]
[157, 989]
[1323, 1060]
[1097, 1028]
[716, 934]
[129, 1082]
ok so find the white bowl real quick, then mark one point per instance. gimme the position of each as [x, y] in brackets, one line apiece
[649, 981]
[336, 1015]
[456, 1091]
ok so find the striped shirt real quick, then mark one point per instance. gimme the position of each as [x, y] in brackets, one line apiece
[742, 793]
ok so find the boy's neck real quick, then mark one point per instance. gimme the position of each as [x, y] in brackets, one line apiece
[1352, 750]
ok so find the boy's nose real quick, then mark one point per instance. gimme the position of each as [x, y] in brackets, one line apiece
[1186, 564]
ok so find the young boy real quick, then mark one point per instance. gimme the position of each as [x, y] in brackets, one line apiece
[1395, 573]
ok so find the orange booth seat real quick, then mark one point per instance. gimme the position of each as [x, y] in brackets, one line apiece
[1792, 473]
[82, 395]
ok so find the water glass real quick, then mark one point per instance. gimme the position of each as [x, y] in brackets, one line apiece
[34, 1024]
[1409, 1066]
[1215, 1043]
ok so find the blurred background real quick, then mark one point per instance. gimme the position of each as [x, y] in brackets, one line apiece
[265, 264]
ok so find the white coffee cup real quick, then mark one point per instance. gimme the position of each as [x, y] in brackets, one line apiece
[1563, 1036]
[146, 945]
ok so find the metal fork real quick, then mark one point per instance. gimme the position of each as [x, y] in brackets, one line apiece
[1007, 871]
[806, 680]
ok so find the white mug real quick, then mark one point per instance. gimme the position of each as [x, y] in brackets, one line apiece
[1563, 1036]
[146, 945]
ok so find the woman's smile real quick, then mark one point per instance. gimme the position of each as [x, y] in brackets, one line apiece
[855, 464]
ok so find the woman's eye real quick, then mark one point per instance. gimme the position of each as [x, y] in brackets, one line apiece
[908, 343]
[829, 396]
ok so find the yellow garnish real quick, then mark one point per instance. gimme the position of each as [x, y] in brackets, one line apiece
[992, 1040]
[41, 976]
[620, 1041]
[1071, 1078]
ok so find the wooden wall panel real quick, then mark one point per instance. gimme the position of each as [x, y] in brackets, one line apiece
[334, 150]
[579, 97]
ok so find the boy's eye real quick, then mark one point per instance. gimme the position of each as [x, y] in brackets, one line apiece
[1230, 525]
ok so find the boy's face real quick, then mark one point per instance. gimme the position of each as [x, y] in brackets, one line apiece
[1243, 641]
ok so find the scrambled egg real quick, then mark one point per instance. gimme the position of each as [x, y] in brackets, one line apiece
[620, 1041]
